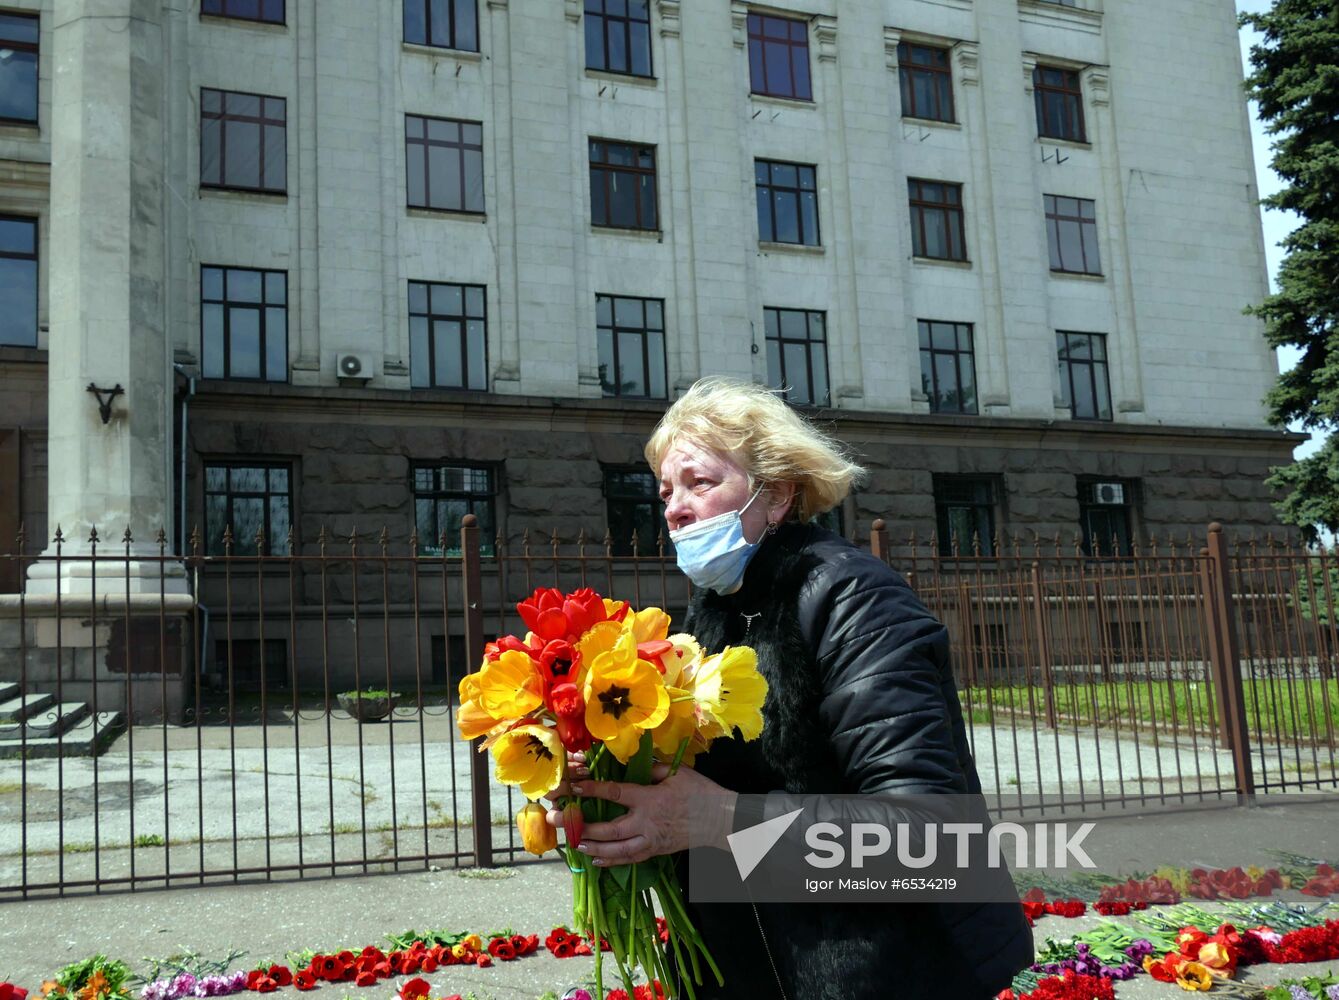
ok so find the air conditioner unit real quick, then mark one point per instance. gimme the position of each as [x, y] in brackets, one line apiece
[352, 365]
[1109, 493]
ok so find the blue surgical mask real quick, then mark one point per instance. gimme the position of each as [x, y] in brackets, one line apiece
[714, 553]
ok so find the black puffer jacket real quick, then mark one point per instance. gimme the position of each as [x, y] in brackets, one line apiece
[861, 699]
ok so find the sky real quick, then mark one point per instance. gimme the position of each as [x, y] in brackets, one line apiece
[1277, 224]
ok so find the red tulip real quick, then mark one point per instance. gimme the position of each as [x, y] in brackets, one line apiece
[574, 823]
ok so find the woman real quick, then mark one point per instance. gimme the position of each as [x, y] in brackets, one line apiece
[861, 699]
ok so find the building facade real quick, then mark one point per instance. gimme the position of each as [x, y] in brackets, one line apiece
[383, 264]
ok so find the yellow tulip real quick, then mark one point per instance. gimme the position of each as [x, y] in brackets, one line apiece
[510, 686]
[647, 625]
[730, 692]
[625, 696]
[530, 757]
[536, 834]
[473, 942]
[1193, 977]
[473, 721]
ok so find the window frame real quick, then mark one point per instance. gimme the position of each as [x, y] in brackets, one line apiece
[225, 13]
[925, 333]
[1066, 366]
[1055, 245]
[906, 68]
[608, 171]
[34, 49]
[223, 117]
[1088, 506]
[463, 319]
[941, 482]
[772, 322]
[262, 307]
[759, 40]
[269, 466]
[772, 187]
[427, 26]
[36, 259]
[1042, 91]
[615, 331]
[626, 21]
[462, 148]
[918, 206]
[488, 497]
[624, 546]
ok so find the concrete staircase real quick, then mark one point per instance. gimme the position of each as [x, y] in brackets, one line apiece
[37, 725]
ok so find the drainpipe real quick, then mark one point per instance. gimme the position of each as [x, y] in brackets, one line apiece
[185, 427]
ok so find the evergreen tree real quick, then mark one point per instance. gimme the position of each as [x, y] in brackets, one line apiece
[1295, 80]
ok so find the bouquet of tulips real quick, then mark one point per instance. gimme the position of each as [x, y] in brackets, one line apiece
[594, 675]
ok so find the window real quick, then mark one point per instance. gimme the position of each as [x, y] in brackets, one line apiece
[948, 370]
[443, 495]
[18, 67]
[937, 229]
[965, 514]
[787, 203]
[622, 185]
[444, 163]
[1059, 100]
[270, 11]
[243, 141]
[1071, 233]
[636, 514]
[1105, 509]
[797, 355]
[618, 36]
[248, 497]
[779, 57]
[244, 323]
[443, 24]
[448, 327]
[631, 335]
[926, 77]
[252, 666]
[18, 281]
[1084, 387]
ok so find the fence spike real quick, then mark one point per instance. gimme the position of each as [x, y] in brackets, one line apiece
[19, 538]
[384, 540]
[93, 535]
[127, 539]
[58, 538]
[288, 539]
[195, 540]
[260, 539]
[608, 544]
[227, 539]
[413, 541]
[353, 542]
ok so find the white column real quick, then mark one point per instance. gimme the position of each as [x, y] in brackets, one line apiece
[108, 293]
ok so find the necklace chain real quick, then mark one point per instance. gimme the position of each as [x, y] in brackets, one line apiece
[748, 620]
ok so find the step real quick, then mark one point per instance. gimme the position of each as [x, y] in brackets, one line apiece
[19, 708]
[8, 690]
[56, 719]
[88, 738]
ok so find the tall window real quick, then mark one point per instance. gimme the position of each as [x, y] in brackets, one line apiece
[444, 161]
[948, 369]
[1071, 234]
[965, 514]
[1059, 98]
[443, 494]
[1105, 513]
[19, 34]
[248, 497]
[444, 24]
[243, 141]
[618, 36]
[270, 11]
[797, 354]
[448, 336]
[787, 202]
[1084, 386]
[926, 77]
[636, 513]
[937, 228]
[631, 336]
[18, 281]
[779, 57]
[623, 185]
[244, 323]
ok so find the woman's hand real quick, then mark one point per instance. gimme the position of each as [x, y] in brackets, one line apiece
[673, 813]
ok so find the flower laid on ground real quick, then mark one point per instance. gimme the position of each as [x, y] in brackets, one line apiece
[94, 978]
[8, 991]
[598, 676]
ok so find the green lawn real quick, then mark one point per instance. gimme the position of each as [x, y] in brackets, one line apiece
[1274, 708]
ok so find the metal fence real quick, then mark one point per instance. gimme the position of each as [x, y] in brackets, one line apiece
[231, 748]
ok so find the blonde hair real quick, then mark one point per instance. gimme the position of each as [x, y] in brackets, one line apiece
[756, 428]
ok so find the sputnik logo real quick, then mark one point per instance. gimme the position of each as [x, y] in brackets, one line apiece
[750, 845]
